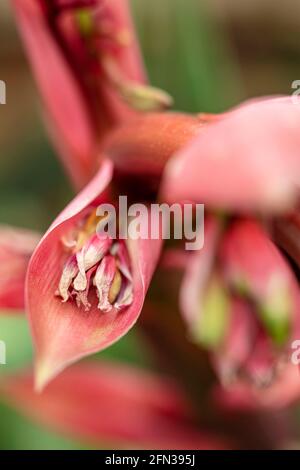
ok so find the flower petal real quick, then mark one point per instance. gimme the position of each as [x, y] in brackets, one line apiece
[109, 403]
[71, 118]
[63, 333]
[254, 265]
[248, 160]
[16, 248]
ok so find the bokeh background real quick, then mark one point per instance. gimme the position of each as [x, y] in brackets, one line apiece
[209, 54]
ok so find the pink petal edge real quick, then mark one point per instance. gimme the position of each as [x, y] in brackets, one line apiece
[246, 161]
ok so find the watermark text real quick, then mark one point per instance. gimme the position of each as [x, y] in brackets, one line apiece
[2, 92]
[296, 94]
[2, 353]
[153, 221]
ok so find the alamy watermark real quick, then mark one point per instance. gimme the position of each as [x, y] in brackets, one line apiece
[2, 92]
[296, 94]
[153, 222]
[295, 356]
[2, 353]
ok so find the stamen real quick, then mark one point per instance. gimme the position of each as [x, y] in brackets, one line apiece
[98, 261]
[69, 272]
[125, 297]
[119, 250]
[115, 287]
[82, 297]
[90, 255]
[88, 229]
[104, 281]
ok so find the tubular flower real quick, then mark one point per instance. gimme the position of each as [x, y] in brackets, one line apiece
[246, 160]
[241, 300]
[109, 403]
[16, 247]
[93, 78]
[85, 289]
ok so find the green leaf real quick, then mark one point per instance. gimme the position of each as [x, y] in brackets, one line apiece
[14, 332]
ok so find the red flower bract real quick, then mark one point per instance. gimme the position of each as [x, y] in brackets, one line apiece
[112, 403]
[241, 302]
[63, 331]
[81, 102]
[246, 160]
[16, 248]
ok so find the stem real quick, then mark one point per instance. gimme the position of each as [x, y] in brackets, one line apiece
[144, 145]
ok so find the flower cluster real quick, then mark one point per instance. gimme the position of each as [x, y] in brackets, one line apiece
[239, 296]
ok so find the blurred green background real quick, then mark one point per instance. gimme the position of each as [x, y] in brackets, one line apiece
[209, 54]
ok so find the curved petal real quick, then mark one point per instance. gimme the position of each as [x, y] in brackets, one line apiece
[78, 113]
[69, 117]
[16, 248]
[248, 160]
[262, 332]
[114, 404]
[62, 332]
[129, 59]
[253, 264]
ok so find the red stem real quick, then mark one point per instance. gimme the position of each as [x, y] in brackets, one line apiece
[144, 145]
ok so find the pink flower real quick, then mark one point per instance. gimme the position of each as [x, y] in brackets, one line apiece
[112, 404]
[245, 160]
[239, 296]
[16, 247]
[241, 302]
[89, 71]
[84, 290]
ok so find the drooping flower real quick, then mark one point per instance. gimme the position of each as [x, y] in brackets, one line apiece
[107, 404]
[241, 302]
[240, 297]
[93, 77]
[85, 289]
[246, 160]
[16, 247]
